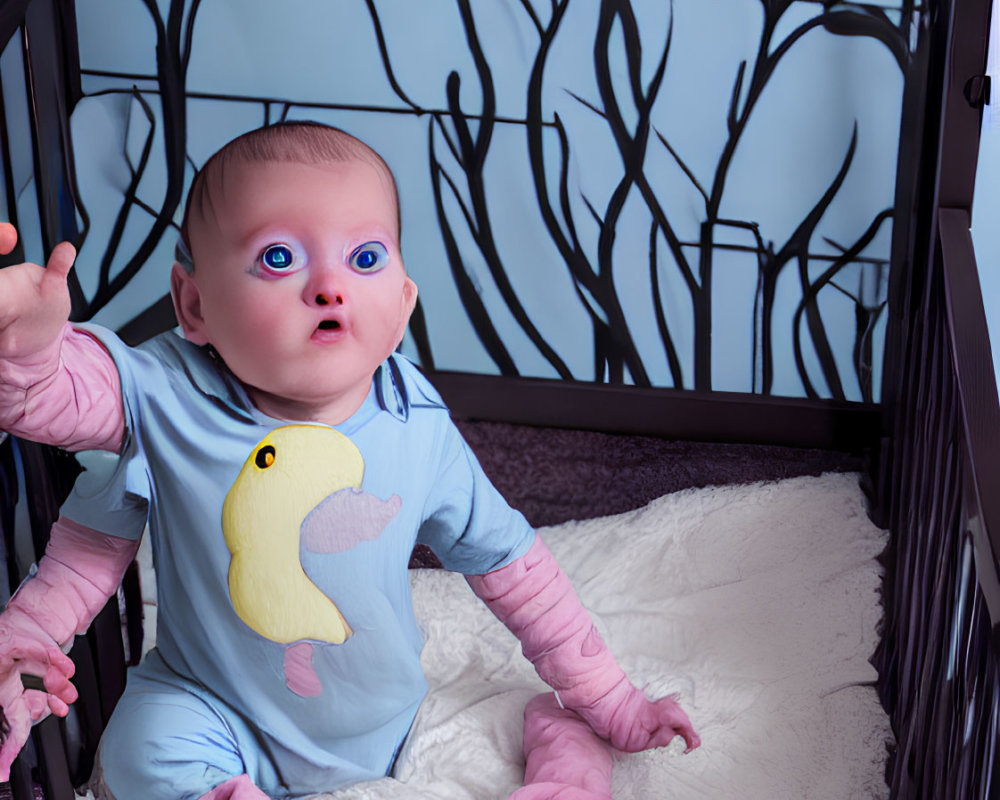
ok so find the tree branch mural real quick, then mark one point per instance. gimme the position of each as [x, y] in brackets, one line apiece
[611, 327]
[172, 52]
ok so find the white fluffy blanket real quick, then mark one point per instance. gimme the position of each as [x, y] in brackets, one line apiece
[757, 603]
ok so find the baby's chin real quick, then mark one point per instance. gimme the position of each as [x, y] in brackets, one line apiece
[307, 402]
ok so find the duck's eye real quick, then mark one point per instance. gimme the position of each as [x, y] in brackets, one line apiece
[369, 257]
[264, 457]
[277, 257]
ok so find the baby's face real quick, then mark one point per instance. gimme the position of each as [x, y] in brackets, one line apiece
[299, 283]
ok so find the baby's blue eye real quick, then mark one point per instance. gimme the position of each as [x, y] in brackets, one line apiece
[369, 257]
[277, 257]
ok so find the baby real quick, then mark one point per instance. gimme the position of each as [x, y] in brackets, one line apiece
[286, 460]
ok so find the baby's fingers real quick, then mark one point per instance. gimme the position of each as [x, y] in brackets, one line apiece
[691, 739]
[32, 656]
[61, 690]
[37, 704]
[60, 262]
[673, 721]
[62, 662]
[8, 237]
[57, 706]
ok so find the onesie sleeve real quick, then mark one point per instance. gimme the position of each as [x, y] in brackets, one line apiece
[111, 495]
[468, 524]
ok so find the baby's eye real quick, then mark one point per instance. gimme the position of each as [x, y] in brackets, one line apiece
[369, 257]
[277, 258]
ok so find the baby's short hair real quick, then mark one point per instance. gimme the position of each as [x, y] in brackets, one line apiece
[301, 142]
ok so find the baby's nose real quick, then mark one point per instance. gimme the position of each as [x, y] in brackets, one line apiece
[328, 298]
[324, 287]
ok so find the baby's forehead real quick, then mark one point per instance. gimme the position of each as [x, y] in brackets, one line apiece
[289, 170]
[222, 185]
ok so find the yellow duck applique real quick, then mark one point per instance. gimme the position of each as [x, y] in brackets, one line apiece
[300, 485]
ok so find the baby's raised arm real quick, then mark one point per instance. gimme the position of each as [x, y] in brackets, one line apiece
[58, 385]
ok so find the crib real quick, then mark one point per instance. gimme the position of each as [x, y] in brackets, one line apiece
[928, 448]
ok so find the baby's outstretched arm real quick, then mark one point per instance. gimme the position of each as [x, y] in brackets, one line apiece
[534, 598]
[80, 570]
[58, 385]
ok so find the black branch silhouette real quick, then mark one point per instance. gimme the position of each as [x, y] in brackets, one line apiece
[173, 42]
[470, 151]
[614, 345]
[853, 20]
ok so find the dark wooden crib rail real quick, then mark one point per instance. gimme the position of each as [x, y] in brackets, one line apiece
[940, 474]
[939, 652]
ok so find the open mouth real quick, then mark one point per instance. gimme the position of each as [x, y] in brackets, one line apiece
[329, 330]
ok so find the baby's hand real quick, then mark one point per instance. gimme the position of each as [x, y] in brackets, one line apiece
[640, 724]
[27, 656]
[34, 300]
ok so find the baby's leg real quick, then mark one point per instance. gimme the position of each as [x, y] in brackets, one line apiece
[166, 743]
[566, 760]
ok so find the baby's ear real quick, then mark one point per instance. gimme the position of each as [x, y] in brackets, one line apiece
[187, 304]
[408, 303]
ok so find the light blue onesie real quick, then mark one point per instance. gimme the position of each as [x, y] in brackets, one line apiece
[287, 647]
